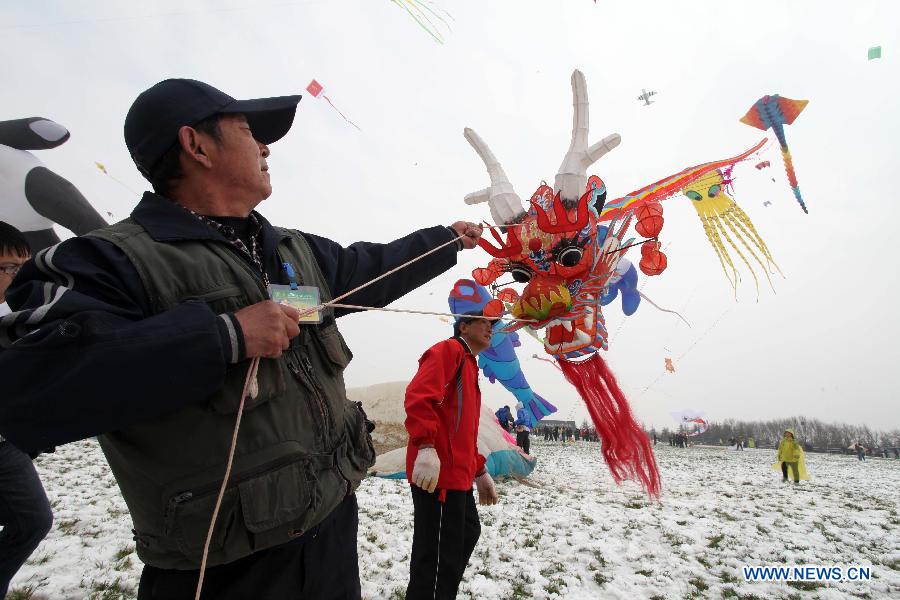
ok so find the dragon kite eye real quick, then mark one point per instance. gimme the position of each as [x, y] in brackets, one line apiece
[570, 256]
[693, 195]
[714, 190]
[521, 274]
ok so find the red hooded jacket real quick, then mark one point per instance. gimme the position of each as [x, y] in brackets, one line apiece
[434, 416]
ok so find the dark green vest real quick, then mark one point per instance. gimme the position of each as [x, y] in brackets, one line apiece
[302, 447]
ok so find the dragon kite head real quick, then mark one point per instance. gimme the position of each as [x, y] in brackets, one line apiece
[556, 246]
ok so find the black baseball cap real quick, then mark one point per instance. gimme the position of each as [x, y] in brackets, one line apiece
[153, 121]
[467, 317]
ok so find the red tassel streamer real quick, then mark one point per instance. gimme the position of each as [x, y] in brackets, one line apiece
[625, 447]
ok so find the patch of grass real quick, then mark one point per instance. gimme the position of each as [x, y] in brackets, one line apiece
[715, 540]
[110, 590]
[371, 537]
[398, 594]
[725, 515]
[674, 538]
[761, 529]
[587, 520]
[703, 561]
[698, 583]
[682, 523]
[636, 504]
[115, 512]
[600, 578]
[551, 569]
[122, 552]
[806, 586]
[39, 559]
[519, 590]
[644, 572]
[67, 526]
[21, 593]
[728, 577]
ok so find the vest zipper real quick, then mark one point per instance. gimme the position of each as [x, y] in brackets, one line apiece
[209, 488]
[305, 377]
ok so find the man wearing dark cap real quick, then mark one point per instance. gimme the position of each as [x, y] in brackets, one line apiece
[443, 407]
[142, 332]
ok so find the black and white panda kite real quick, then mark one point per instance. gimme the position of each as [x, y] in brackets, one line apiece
[32, 197]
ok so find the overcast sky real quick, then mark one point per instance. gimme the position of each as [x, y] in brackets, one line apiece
[823, 345]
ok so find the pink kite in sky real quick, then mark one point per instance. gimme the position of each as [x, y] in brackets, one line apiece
[316, 90]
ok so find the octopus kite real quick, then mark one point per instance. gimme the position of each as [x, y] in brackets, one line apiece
[565, 247]
[723, 219]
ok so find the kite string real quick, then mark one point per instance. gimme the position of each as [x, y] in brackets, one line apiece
[343, 116]
[248, 385]
[416, 312]
[383, 275]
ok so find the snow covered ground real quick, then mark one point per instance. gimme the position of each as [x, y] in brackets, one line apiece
[574, 535]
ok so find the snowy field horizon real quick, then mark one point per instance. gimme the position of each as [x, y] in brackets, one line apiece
[567, 532]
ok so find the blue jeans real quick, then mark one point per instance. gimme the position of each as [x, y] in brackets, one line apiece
[24, 512]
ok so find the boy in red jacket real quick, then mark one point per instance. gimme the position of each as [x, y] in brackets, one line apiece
[443, 404]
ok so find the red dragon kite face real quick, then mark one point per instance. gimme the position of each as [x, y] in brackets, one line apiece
[565, 259]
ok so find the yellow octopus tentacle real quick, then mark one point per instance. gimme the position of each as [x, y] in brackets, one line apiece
[724, 231]
[741, 235]
[748, 224]
[713, 237]
[711, 216]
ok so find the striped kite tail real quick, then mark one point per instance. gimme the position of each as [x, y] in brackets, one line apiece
[792, 177]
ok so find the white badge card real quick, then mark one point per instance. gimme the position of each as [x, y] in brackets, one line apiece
[302, 298]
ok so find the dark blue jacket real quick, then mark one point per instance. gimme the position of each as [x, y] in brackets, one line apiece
[83, 355]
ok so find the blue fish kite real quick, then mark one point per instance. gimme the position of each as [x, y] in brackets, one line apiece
[499, 362]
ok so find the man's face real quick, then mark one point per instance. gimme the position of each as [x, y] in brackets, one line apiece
[241, 161]
[9, 261]
[478, 332]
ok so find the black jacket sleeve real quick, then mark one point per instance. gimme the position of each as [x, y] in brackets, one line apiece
[80, 355]
[347, 268]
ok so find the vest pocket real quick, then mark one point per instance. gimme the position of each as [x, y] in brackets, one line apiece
[264, 507]
[188, 522]
[335, 347]
[286, 495]
[360, 451]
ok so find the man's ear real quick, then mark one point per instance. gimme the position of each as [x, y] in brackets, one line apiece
[194, 146]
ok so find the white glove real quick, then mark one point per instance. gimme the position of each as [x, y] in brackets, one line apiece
[426, 469]
[487, 493]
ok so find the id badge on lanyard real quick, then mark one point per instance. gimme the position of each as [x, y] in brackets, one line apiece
[299, 297]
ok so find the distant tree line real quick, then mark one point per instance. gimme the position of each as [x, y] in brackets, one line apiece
[813, 434]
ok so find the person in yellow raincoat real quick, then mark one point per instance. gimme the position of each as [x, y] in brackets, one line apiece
[790, 455]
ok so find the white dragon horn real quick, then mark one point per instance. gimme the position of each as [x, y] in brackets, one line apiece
[572, 177]
[505, 204]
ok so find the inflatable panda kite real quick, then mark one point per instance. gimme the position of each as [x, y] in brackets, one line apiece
[32, 197]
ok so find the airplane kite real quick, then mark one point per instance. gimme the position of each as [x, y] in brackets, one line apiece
[645, 97]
